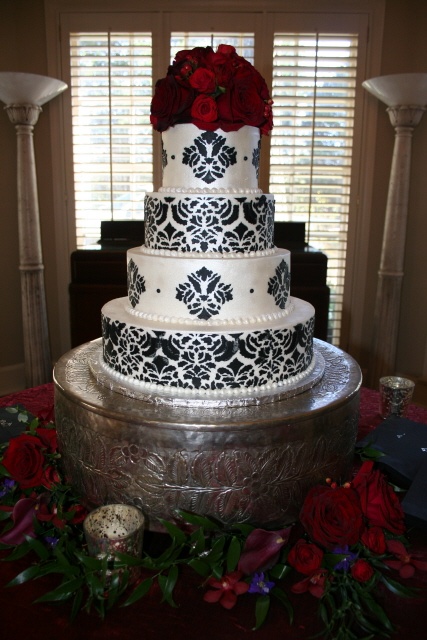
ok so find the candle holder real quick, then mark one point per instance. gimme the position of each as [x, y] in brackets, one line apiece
[112, 529]
[395, 396]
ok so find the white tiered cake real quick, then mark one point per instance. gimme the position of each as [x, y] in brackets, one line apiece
[209, 313]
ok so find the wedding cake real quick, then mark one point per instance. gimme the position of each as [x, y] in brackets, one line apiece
[209, 313]
[207, 392]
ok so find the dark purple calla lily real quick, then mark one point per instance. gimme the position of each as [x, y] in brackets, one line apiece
[262, 549]
[23, 518]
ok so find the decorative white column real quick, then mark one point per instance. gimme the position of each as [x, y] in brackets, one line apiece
[406, 98]
[23, 95]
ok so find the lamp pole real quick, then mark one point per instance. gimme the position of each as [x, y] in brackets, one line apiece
[23, 95]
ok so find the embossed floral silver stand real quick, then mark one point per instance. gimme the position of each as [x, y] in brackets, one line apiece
[252, 463]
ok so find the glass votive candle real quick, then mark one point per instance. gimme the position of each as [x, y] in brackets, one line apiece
[115, 528]
[395, 395]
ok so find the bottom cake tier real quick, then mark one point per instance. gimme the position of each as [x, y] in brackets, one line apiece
[250, 464]
[226, 360]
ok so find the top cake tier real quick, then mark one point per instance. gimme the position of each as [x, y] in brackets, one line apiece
[210, 161]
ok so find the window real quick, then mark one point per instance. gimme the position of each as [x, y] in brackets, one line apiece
[313, 89]
[321, 184]
[111, 89]
[314, 78]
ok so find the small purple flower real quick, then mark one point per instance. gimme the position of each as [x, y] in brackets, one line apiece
[8, 485]
[260, 585]
[345, 563]
[51, 541]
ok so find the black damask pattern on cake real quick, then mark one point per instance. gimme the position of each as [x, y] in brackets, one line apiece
[207, 223]
[136, 283]
[256, 155]
[279, 284]
[204, 294]
[190, 360]
[164, 156]
[209, 157]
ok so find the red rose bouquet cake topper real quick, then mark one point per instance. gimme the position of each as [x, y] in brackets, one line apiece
[212, 90]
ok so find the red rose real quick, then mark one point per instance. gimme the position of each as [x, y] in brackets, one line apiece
[374, 539]
[361, 570]
[204, 108]
[203, 80]
[171, 103]
[241, 103]
[24, 460]
[379, 502]
[48, 438]
[305, 557]
[332, 517]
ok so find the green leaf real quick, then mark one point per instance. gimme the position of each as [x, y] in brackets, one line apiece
[39, 548]
[280, 571]
[281, 596]
[24, 576]
[200, 567]
[198, 541]
[63, 592]
[167, 584]
[245, 529]
[139, 592]
[77, 604]
[262, 606]
[397, 588]
[199, 521]
[89, 562]
[378, 612]
[233, 554]
[19, 552]
[175, 532]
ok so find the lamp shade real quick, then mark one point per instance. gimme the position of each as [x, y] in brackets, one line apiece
[399, 89]
[28, 88]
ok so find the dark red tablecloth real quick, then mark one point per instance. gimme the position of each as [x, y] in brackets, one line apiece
[193, 619]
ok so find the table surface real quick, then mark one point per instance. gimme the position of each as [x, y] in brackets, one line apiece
[193, 618]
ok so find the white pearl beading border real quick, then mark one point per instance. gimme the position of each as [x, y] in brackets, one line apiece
[208, 255]
[231, 322]
[208, 190]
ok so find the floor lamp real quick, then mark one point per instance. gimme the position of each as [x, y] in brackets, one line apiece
[406, 98]
[23, 95]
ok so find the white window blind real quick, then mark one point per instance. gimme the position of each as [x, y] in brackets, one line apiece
[243, 42]
[111, 88]
[314, 84]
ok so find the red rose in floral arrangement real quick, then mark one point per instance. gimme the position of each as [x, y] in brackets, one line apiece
[361, 570]
[203, 80]
[374, 539]
[305, 557]
[379, 502]
[24, 460]
[204, 108]
[171, 103]
[332, 516]
[212, 90]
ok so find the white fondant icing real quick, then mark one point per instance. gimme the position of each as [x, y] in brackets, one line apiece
[185, 165]
[220, 287]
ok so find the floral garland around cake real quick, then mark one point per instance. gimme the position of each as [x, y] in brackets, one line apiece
[212, 90]
[349, 541]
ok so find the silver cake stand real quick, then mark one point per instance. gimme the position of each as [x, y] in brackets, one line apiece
[252, 463]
